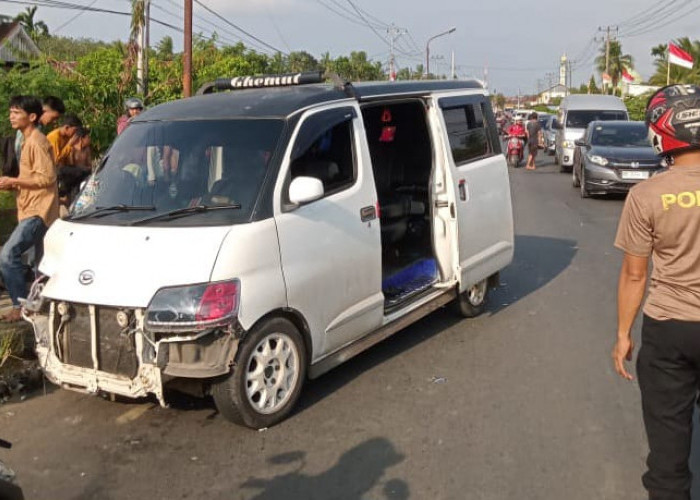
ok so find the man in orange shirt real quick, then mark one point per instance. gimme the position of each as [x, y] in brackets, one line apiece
[64, 138]
[37, 198]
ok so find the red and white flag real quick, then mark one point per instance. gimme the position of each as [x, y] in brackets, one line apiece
[680, 57]
[606, 78]
[626, 77]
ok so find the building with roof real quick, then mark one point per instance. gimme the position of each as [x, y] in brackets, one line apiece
[16, 47]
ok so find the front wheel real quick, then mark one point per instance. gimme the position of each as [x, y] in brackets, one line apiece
[513, 160]
[267, 377]
[574, 178]
[582, 181]
[472, 301]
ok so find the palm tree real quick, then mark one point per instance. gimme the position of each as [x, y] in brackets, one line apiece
[34, 29]
[678, 74]
[617, 62]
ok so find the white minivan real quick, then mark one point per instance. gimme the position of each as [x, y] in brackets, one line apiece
[575, 113]
[240, 241]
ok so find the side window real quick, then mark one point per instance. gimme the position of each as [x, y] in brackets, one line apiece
[467, 132]
[324, 150]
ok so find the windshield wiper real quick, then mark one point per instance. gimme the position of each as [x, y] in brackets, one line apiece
[114, 208]
[182, 212]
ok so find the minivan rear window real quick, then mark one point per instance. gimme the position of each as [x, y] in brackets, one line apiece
[581, 118]
[155, 168]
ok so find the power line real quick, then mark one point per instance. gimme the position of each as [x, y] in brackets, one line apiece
[655, 27]
[238, 28]
[73, 18]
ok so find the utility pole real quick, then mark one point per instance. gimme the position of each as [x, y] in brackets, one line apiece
[187, 59]
[142, 41]
[453, 74]
[394, 34]
[607, 52]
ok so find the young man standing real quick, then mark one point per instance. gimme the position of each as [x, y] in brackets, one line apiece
[661, 219]
[37, 198]
[52, 108]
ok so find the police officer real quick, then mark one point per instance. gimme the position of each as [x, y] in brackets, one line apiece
[661, 220]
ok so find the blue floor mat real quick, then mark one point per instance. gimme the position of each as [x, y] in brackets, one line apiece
[410, 280]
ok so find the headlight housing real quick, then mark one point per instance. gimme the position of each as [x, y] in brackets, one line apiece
[193, 307]
[598, 160]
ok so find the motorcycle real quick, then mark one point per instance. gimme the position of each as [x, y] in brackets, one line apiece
[515, 148]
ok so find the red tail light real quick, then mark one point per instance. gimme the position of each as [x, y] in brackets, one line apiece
[219, 300]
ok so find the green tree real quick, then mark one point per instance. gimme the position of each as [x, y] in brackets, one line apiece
[678, 74]
[617, 61]
[164, 49]
[68, 49]
[35, 29]
[301, 61]
[592, 87]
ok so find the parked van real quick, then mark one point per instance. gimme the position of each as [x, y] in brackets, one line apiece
[245, 240]
[575, 113]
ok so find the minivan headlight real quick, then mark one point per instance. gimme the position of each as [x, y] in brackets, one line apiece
[598, 160]
[193, 307]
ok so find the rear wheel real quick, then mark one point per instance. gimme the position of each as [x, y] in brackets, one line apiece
[267, 377]
[472, 301]
[513, 160]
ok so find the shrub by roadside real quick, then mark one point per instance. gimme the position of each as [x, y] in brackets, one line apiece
[19, 371]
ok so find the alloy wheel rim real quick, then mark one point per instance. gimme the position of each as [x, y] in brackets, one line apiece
[272, 373]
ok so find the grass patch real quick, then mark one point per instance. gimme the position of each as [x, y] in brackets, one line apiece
[11, 347]
[7, 199]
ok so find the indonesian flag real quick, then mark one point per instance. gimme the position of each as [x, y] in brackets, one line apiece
[679, 57]
[626, 76]
[606, 78]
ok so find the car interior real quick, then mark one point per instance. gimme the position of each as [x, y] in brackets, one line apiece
[400, 148]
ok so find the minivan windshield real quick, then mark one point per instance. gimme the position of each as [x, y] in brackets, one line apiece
[154, 170]
[632, 134]
[580, 118]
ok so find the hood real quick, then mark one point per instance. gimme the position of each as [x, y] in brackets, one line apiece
[638, 153]
[128, 264]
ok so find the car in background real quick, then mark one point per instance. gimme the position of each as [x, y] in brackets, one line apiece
[549, 129]
[612, 157]
[575, 113]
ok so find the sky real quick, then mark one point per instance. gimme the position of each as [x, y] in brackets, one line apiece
[520, 43]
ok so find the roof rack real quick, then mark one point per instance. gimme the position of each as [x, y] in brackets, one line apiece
[266, 81]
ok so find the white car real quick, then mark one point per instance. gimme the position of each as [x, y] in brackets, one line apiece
[243, 241]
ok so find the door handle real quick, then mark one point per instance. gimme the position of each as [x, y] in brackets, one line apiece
[463, 190]
[368, 213]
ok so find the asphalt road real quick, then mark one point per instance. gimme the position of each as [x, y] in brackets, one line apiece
[521, 403]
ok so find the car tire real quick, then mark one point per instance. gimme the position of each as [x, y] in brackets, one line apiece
[472, 302]
[244, 396]
[575, 182]
[582, 185]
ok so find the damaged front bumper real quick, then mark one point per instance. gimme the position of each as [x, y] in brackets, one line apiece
[92, 348]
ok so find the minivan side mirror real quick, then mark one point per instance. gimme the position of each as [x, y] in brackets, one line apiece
[581, 143]
[305, 189]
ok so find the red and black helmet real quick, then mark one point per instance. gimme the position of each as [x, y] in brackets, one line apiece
[673, 118]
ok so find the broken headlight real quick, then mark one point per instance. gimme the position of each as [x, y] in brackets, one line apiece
[193, 307]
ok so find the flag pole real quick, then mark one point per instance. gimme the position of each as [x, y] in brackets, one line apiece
[668, 64]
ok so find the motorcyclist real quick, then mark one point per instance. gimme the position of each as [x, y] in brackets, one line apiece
[132, 107]
[517, 129]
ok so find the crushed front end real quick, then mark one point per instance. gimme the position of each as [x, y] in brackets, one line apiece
[94, 348]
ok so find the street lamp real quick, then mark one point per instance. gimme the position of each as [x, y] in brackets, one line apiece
[427, 49]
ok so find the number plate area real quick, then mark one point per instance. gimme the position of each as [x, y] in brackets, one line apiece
[635, 174]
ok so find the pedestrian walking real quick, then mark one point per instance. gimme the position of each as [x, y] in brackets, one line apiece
[661, 220]
[533, 130]
[37, 198]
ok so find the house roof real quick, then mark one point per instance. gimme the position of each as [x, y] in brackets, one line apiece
[15, 44]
